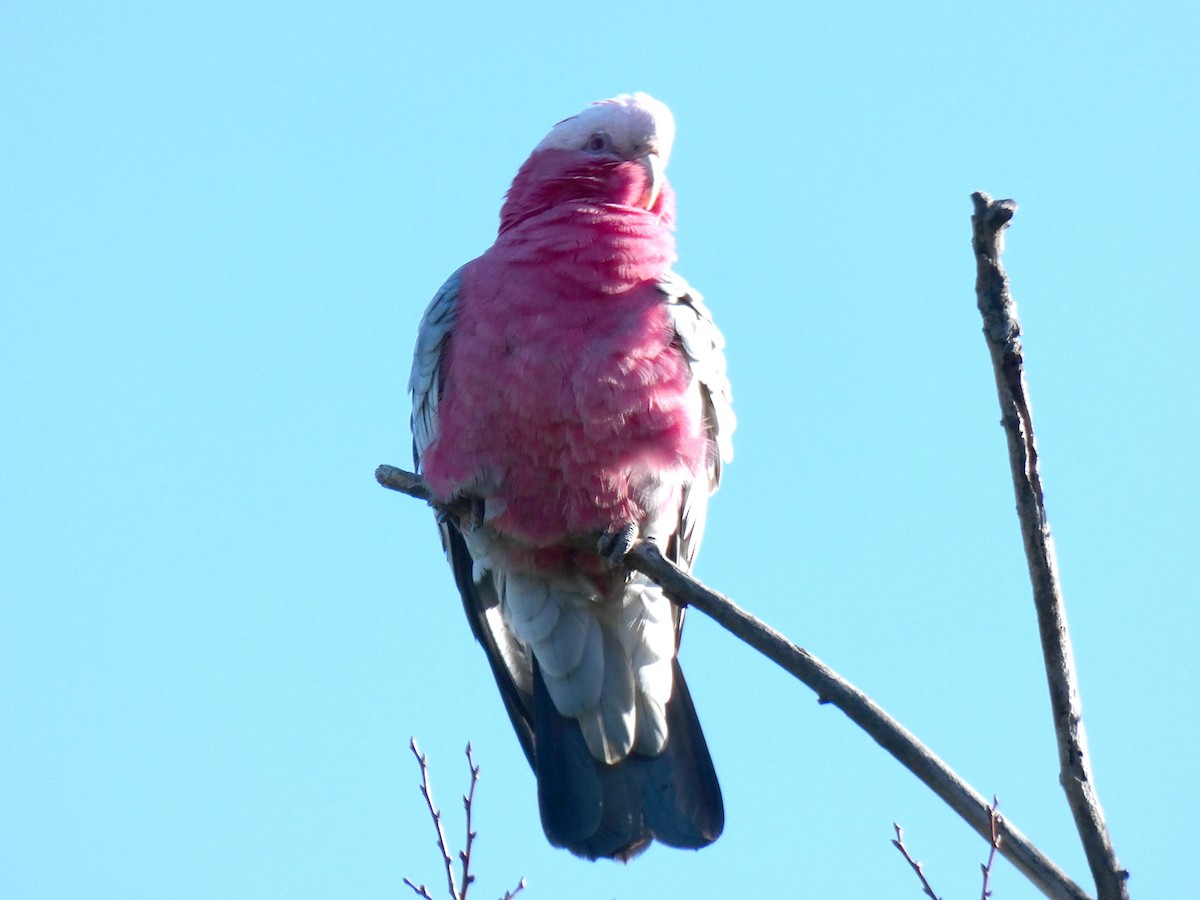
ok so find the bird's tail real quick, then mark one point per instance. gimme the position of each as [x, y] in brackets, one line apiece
[599, 810]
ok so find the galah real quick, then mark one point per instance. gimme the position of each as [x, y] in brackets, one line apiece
[567, 383]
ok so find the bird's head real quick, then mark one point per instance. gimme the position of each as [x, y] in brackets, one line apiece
[614, 151]
[630, 128]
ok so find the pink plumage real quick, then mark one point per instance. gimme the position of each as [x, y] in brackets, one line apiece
[571, 384]
[562, 379]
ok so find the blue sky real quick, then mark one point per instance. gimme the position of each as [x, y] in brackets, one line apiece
[219, 225]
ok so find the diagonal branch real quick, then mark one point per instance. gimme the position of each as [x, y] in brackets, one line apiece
[829, 686]
[1003, 332]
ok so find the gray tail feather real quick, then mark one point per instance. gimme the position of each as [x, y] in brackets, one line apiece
[597, 810]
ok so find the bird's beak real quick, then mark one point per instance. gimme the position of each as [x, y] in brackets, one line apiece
[653, 165]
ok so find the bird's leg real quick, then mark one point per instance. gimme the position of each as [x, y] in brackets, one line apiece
[615, 545]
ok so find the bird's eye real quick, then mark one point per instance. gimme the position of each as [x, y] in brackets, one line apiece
[598, 142]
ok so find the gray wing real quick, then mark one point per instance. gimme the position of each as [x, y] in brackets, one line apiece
[425, 380]
[509, 661]
[703, 345]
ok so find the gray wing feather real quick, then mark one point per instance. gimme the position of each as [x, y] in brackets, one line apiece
[424, 383]
[703, 345]
[509, 661]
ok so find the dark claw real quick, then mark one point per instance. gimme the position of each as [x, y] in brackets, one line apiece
[471, 518]
[614, 546]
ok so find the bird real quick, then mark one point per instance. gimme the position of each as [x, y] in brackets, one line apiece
[568, 383]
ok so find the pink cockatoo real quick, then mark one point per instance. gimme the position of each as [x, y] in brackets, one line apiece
[568, 383]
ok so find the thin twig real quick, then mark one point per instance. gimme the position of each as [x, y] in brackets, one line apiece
[464, 855]
[468, 803]
[427, 792]
[898, 843]
[830, 688]
[995, 841]
[1003, 332]
[421, 891]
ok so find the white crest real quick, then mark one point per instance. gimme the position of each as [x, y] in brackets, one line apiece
[636, 124]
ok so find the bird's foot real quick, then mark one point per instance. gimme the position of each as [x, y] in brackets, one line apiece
[478, 512]
[614, 546]
[471, 517]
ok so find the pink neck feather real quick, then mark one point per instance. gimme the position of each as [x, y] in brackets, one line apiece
[575, 215]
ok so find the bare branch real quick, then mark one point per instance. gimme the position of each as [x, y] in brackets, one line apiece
[468, 803]
[464, 855]
[898, 843]
[421, 891]
[1002, 330]
[427, 793]
[830, 688]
